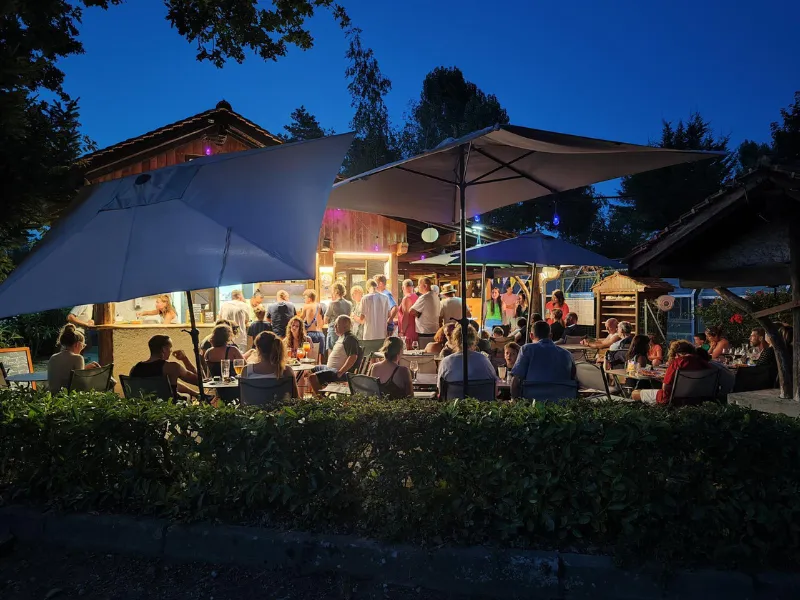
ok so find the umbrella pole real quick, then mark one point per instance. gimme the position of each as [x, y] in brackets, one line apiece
[195, 333]
[528, 324]
[462, 189]
[483, 297]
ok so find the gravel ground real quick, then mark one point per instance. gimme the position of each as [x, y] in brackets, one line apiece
[45, 573]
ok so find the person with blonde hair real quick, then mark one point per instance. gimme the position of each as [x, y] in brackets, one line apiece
[336, 307]
[237, 311]
[271, 363]
[163, 309]
[479, 367]
[257, 326]
[68, 359]
[280, 312]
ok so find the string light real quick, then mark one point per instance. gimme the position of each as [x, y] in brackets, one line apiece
[556, 218]
[208, 150]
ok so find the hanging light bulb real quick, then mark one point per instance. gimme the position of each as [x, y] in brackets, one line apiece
[556, 218]
[477, 218]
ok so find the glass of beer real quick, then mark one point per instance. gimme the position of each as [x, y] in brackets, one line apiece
[225, 368]
[238, 366]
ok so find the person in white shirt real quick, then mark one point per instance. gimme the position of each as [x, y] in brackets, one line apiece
[375, 311]
[82, 316]
[426, 312]
[237, 311]
[450, 309]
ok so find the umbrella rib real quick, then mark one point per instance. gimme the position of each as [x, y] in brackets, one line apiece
[500, 168]
[442, 179]
[498, 180]
[516, 170]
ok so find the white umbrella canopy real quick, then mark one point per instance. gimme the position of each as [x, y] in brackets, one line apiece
[230, 218]
[491, 168]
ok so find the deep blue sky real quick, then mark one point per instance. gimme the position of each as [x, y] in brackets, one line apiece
[604, 69]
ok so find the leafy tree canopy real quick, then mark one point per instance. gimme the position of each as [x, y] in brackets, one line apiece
[376, 142]
[303, 126]
[449, 106]
[660, 197]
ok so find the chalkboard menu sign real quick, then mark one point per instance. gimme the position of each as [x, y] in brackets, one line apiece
[16, 360]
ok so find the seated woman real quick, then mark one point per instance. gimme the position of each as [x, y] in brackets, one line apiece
[438, 343]
[448, 348]
[394, 380]
[222, 348]
[655, 354]
[271, 361]
[682, 355]
[295, 337]
[163, 309]
[717, 342]
[478, 366]
[640, 347]
[68, 359]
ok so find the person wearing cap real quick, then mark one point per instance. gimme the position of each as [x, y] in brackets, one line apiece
[450, 307]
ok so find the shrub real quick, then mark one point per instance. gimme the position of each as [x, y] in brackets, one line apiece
[737, 325]
[39, 331]
[711, 484]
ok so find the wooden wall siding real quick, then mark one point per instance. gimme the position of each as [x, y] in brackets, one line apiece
[172, 156]
[352, 231]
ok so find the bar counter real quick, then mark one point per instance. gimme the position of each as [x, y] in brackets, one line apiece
[125, 344]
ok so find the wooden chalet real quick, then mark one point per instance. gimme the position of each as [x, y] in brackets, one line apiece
[746, 235]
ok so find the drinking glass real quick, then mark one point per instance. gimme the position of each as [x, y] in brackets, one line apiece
[301, 353]
[225, 367]
[415, 345]
[413, 367]
[238, 366]
[306, 347]
[501, 371]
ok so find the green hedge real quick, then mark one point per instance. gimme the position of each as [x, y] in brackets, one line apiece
[713, 484]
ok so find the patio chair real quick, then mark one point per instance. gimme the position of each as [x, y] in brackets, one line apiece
[592, 379]
[142, 387]
[266, 393]
[481, 389]
[427, 364]
[90, 380]
[573, 339]
[691, 388]
[617, 358]
[549, 391]
[749, 379]
[364, 385]
[3, 381]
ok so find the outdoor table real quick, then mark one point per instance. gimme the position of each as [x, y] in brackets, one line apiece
[342, 388]
[617, 373]
[426, 380]
[573, 346]
[213, 384]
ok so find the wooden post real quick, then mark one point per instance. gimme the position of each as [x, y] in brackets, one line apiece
[104, 315]
[794, 274]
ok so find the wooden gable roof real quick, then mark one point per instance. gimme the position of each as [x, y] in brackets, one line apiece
[215, 127]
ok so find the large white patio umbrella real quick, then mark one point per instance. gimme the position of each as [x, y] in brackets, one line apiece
[495, 167]
[230, 218]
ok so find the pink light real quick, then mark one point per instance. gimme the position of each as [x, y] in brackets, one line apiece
[208, 150]
[377, 248]
[422, 257]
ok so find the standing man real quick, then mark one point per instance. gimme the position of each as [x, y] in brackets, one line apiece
[375, 311]
[280, 312]
[450, 307]
[256, 300]
[426, 312]
[541, 362]
[236, 310]
[382, 289]
[336, 307]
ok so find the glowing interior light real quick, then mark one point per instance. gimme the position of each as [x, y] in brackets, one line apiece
[208, 150]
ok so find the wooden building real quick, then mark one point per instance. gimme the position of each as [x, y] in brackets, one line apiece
[625, 298]
[746, 235]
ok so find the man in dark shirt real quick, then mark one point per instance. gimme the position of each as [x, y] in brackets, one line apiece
[557, 326]
[280, 313]
[571, 329]
[257, 326]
